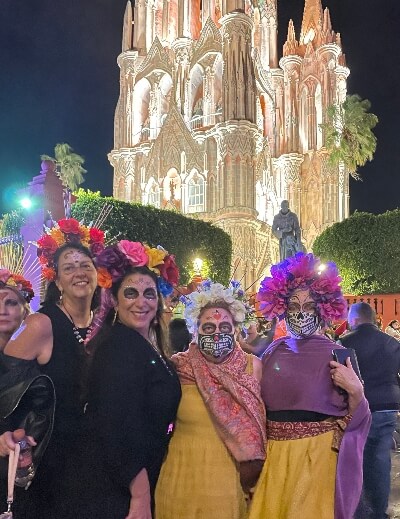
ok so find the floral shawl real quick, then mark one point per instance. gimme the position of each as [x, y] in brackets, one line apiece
[232, 398]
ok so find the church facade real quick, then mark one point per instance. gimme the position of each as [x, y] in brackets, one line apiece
[211, 123]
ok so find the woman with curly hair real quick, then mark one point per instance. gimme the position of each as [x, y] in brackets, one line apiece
[318, 417]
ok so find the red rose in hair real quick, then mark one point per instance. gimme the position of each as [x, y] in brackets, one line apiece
[48, 244]
[169, 270]
[69, 225]
[96, 235]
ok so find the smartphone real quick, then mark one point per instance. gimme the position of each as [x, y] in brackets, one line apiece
[341, 354]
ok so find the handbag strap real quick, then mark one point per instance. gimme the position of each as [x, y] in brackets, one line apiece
[12, 470]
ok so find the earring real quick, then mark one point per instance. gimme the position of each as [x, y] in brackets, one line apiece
[60, 301]
[115, 317]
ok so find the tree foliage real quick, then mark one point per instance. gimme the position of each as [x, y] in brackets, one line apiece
[349, 138]
[187, 238]
[69, 165]
[366, 248]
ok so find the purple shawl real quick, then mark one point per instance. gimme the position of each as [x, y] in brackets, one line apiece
[296, 376]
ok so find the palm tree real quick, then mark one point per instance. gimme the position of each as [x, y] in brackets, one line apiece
[69, 165]
[349, 138]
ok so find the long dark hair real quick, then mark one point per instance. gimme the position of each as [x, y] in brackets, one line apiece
[53, 294]
[157, 325]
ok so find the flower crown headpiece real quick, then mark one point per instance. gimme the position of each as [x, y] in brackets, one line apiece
[66, 231]
[208, 292]
[302, 271]
[17, 283]
[113, 262]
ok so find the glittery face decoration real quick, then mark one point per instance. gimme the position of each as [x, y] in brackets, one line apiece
[74, 255]
[217, 345]
[141, 285]
[3, 295]
[217, 316]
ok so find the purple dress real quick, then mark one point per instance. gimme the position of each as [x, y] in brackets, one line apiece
[296, 377]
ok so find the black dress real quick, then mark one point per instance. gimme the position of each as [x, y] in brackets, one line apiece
[132, 404]
[68, 368]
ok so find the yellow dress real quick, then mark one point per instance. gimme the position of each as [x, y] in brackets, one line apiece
[297, 480]
[199, 479]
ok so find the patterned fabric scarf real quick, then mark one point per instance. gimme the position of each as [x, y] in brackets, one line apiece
[232, 398]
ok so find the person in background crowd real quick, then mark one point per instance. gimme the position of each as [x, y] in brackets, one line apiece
[15, 296]
[315, 433]
[260, 334]
[54, 341]
[379, 360]
[179, 335]
[393, 329]
[217, 450]
[133, 393]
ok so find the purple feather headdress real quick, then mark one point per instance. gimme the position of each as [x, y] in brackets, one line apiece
[302, 271]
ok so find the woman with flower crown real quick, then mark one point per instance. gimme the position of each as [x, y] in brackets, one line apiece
[217, 450]
[53, 340]
[318, 417]
[133, 392]
[15, 295]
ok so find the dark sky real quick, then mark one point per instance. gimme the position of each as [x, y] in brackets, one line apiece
[59, 82]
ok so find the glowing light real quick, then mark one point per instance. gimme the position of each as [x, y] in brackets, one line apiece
[26, 203]
[321, 268]
[197, 265]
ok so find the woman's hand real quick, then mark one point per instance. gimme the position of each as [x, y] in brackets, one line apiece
[249, 473]
[140, 505]
[7, 443]
[346, 378]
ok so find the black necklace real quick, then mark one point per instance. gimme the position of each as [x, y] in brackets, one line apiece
[76, 331]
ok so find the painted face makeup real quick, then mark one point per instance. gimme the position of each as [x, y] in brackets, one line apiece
[137, 302]
[302, 319]
[216, 338]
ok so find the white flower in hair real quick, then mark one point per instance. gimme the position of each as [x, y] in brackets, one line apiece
[214, 293]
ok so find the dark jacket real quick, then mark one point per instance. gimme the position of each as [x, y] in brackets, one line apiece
[27, 401]
[379, 360]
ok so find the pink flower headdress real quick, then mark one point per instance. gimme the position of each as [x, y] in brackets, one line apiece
[302, 271]
[113, 262]
[66, 231]
[17, 283]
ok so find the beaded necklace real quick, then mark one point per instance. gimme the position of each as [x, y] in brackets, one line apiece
[76, 331]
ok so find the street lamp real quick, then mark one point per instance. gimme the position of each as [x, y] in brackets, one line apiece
[197, 266]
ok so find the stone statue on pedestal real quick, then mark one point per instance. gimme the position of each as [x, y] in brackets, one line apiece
[287, 229]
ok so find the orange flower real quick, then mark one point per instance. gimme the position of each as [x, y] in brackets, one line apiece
[57, 235]
[104, 279]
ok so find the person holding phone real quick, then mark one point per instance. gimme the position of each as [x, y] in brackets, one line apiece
[317, 415]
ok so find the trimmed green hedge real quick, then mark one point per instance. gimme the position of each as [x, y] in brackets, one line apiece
[366, 248]
[185, 237]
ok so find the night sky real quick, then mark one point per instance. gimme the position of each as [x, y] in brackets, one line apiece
[59, 82]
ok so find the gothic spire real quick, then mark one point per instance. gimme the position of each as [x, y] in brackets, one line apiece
[312, 21]
[127, 33]
[291, 45]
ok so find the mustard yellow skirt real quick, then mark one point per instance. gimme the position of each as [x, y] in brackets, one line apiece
[199, 479]
[297, 481]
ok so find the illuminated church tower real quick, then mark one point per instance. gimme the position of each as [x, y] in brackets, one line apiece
[209, 122]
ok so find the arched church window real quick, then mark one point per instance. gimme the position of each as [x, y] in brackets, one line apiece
[196, 194]
[318, 111]
[153, 194]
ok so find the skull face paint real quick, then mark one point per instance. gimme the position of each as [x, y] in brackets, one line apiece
[216, 334]
[302, 319]
[217, 346]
